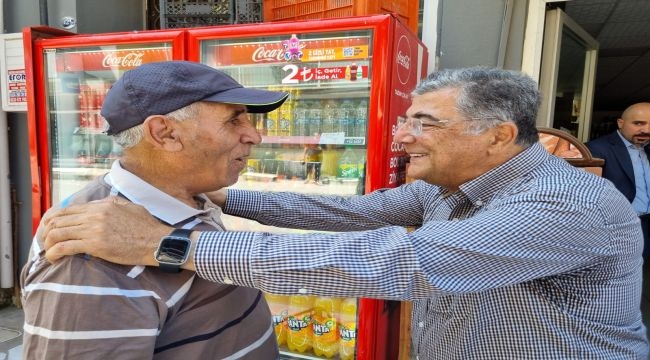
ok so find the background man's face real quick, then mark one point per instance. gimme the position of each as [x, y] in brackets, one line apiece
[634, 125]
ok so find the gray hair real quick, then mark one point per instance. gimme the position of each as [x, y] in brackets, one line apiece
[490, 96]
[132, 136]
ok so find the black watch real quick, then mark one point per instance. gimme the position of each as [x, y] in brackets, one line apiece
[174, 250]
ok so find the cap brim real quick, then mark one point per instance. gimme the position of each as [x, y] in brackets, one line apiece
[255, 100]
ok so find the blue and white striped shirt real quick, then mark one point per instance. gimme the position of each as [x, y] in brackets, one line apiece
[534, 259]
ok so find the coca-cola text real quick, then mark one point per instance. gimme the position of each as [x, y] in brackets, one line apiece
[131, 59]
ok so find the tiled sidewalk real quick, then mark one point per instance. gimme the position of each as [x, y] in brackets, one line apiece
[11, 331]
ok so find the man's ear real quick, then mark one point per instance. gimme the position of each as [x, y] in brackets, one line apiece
[505, 134]
[160, 131]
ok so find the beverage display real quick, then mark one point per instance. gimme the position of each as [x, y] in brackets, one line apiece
[279, 305]
[325, 329]
[299, 323]
[347, 328]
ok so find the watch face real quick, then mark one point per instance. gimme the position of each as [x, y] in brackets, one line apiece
[173, 250]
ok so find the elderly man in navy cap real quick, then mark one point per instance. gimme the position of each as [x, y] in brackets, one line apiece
[185, 130]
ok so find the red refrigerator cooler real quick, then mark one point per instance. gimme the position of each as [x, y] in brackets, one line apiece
[67, 78]
[350, 80]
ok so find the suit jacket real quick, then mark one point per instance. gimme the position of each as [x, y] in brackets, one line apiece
[618, 165]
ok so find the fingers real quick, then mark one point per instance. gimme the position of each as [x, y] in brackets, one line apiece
[54, 234]
[60, 249]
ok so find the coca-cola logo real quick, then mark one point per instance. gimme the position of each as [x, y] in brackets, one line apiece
[262, 54]
[131, 59]
[403, 60]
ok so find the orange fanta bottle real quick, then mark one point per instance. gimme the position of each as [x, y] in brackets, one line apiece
[324, 324]
[348, 328]
[299, 335]
[279, 305]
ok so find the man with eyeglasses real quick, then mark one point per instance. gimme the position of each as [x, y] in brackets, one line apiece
[515, 255]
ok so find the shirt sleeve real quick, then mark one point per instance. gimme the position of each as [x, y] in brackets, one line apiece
[517, 239]
[402, 206]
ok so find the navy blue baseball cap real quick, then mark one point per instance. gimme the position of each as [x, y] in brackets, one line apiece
[162, 87]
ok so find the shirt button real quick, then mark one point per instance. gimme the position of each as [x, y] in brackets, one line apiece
[454, 219]
[478, 203]
[421, 324]
[227, 281]
[302, 291]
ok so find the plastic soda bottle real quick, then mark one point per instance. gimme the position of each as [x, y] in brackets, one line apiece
[348, 165]
[361, 119]
[347, 119]
[279, 305]
[324, 324]
[315, 116]
[348, 328]
[299, 336]
[272, 122]
[330, 117]
[301, 119]
[285, 118]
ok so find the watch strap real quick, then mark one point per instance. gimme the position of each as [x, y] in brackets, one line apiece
[185, 233]
[169, 268]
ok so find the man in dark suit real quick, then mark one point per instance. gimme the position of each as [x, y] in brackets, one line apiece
[626, 157]
[626, 154]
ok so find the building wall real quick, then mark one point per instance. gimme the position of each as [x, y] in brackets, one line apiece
[485, 33]
[18, 14]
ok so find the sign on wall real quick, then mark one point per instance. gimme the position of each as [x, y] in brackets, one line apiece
[12, 70]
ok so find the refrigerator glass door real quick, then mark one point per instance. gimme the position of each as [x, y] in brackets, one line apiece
[77, 80]
[316, 143]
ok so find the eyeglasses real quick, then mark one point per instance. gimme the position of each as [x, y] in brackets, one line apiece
[416, 125]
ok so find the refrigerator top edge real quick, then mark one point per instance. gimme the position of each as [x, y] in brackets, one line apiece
[70, 40]
[283, 27]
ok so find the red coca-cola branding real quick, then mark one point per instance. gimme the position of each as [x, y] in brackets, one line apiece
[273, 52]
[131, 59]
[403, 59]
[262, 54]
[115, 59]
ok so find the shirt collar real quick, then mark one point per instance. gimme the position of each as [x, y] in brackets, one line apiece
[483, 188]
[158, 203]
